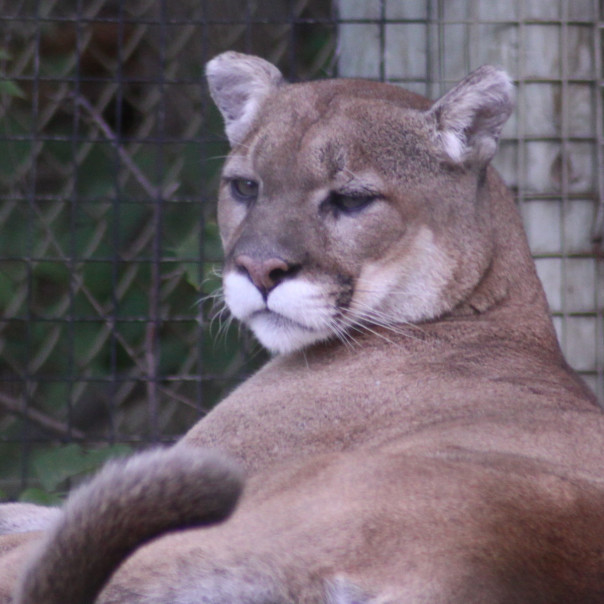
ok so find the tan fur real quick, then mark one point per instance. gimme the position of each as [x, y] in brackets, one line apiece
[434, 446]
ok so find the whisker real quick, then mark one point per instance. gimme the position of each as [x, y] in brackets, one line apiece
[212, 296]
[255, 350]
[366, 327]
[342, 334]
[400, 329]
[218, 314]
[360, 320]
[216, 298]
[385, 319]
[365, 311]
[225, 319]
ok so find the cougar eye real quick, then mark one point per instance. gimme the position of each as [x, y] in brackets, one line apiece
[349, 204]
[244, 189]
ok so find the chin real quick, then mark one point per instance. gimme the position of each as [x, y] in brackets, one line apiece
[280, 335]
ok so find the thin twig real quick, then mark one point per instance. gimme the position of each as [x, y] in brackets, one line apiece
[142, 180]
[15, 407]
[154, 192]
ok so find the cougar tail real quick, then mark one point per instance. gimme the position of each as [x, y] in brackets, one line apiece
[127, 503]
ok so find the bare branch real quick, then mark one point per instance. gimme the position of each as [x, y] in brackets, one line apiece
[15, 407]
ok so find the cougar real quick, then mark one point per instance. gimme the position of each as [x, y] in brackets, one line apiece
[417, 436]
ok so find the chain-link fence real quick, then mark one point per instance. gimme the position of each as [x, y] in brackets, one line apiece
[552, 148]
[109, 155]
[109, 152]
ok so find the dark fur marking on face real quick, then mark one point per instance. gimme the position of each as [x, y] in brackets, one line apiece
[344, 297]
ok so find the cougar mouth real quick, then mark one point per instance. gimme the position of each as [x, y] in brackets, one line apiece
[280, 321]
[280, 334]
[295, 314]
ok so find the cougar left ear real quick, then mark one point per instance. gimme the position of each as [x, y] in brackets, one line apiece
[239, 84]
[470, 117]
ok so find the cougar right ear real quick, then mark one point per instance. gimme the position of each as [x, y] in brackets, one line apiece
[469, 118]
[239, 84]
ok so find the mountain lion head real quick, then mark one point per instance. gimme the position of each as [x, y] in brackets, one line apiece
[346, 205]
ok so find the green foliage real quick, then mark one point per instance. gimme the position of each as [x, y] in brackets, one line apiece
[52, 469]
[55, 467]
[99, 286]
[40, 497]
[11, 89]
[7, 86]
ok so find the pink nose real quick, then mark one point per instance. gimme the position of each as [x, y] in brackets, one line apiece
[264, 274]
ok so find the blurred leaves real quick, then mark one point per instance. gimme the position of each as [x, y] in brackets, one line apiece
[7, 86]
[54, 467]
[110, 251]
[11, 89]
[39, 496]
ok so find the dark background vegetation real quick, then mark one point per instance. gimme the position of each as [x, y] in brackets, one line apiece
[109, 155]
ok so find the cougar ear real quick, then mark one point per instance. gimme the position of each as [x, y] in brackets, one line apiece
[239, 84]
[469, 118]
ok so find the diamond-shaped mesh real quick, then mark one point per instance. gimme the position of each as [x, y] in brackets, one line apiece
[109, 153]
[551, 152]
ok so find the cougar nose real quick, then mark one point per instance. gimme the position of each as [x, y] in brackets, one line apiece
[265, 274]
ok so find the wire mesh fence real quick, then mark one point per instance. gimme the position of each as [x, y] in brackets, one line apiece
[109, 155]
[551, 152]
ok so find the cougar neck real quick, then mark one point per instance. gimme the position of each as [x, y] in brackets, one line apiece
[510, 291]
